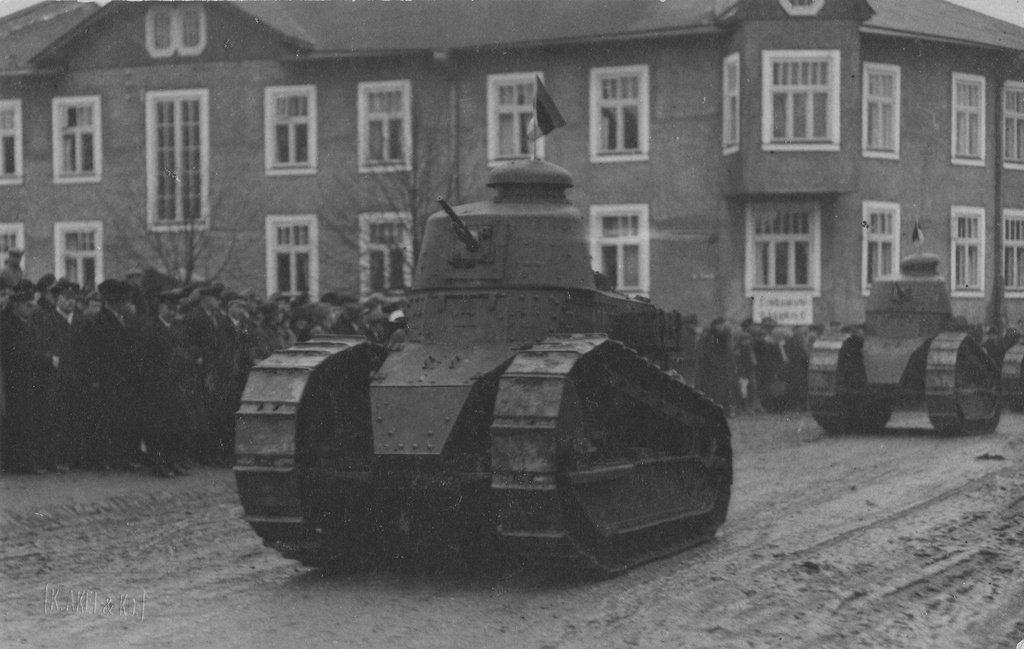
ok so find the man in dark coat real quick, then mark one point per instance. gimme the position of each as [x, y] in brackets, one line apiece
[165, 369]
[716, 372]
[23, 363]
[61, 331]
[112, 340]
[11, 274]
[210, 335]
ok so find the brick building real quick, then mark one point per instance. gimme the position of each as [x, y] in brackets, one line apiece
[734, 157]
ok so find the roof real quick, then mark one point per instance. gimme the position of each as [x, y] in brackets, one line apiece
[26, 33]
[372, 27]
[943, 20]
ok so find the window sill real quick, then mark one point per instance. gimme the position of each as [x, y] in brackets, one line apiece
[1013, 294]
[815, 291]
[290, 171]
[1016, 166]
[11, 181]
[881, 155]
[971, 294]
[76, 180]
[198, 226]
[497, 162]
[384, 168]
[820, 146]
[601, 158]
[731, 149]
[967, 162]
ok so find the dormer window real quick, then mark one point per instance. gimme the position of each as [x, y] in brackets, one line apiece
[175, 30]
[802, 7]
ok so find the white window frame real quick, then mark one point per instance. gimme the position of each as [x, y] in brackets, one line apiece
[814, 261]
[62, 228]
[365, 88]
[17, 229]
[272, 223]
[270, 164]
[643, 114]
[1012, 218]
[894, 101]
[152, 98]
[19, 144]
[867, 238]
[966, 211]
[731, 121]
[1017, 118]
[979, 161]
[367, 219]
[59, 106]
[494, 84]
[176, 36]
[809, 8]
[769, 58]
[642, 240]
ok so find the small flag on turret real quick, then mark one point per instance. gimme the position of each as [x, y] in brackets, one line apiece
[917, 236]
[546, 117]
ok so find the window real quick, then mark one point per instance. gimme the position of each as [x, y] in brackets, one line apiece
[1013, 251]
[177, 158]
[385, 131]
[385, 252]
[620, 246]
[881, 111]
[77, 139]
[802, 7]
[783, 243]
[619, 114]
[10, 142]
[78, 252]
[289, 118]
[1013, 124]
[293, 265]
[968, 138]
[509, 115]
[731, 103]
[12, 237]
[801, 100]
[967, 252]
[175, 29]
[881, 242]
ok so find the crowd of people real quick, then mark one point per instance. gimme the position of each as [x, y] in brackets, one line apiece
[761, 367]
[119, 378]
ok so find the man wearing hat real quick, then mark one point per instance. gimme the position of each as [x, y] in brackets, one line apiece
[115, 373]
[11, 274]
[166, 365]
[22, 364]
[209, 337]
[61, 332]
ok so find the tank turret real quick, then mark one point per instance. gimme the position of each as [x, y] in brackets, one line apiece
[907, 357]
[527, 412]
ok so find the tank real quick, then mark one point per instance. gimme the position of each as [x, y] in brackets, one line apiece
[527, 414]
[907, 356]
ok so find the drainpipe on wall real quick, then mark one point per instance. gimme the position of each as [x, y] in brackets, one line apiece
[998, 280]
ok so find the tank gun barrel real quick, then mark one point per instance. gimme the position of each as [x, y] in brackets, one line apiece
[461, 231]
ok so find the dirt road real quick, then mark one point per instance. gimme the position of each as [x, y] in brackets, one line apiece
[901, 540]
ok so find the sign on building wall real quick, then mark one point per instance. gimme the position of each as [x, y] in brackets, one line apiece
[784, 307]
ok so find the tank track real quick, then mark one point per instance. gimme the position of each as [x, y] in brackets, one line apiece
[268, 470]
[961, 386]
[1013, 378]
[837, 388]
[623, 506]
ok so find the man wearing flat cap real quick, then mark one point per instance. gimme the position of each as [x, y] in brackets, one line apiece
[23, 364]
[115, 372]
[11, 274]
[63, 338]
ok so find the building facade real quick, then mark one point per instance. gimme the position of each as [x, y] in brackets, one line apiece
[735, 158]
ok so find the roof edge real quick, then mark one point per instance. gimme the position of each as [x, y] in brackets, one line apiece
[900, 33]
